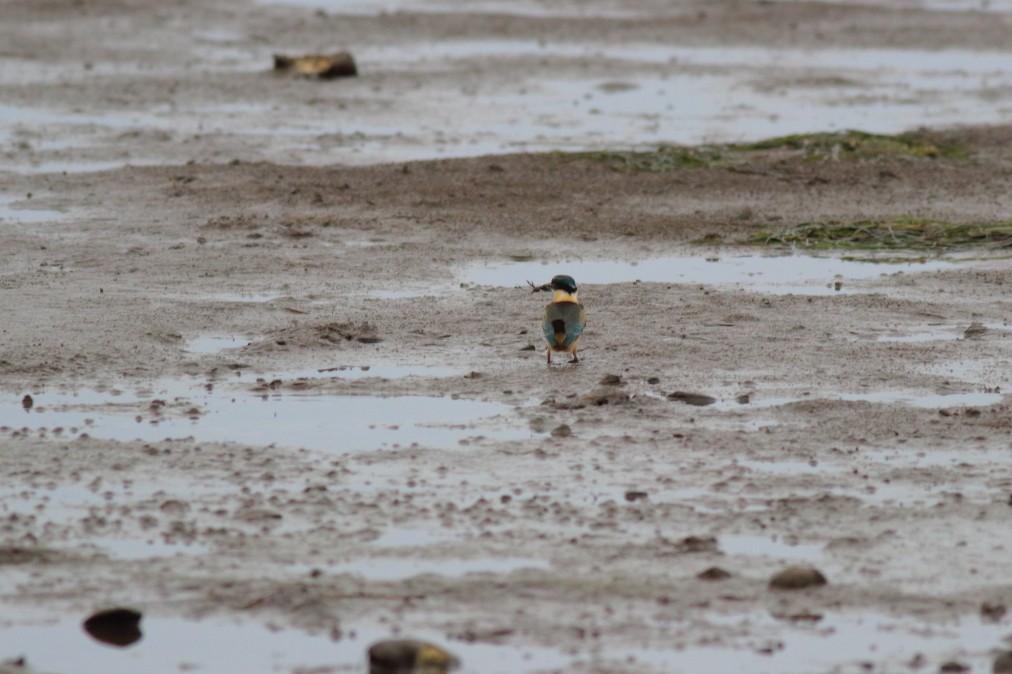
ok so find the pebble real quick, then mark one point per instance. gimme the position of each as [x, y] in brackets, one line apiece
[562, 431]
[404, 656]
[116, 626]
[714, 573]
[797, 578]
[1002, 663]
[698, 399]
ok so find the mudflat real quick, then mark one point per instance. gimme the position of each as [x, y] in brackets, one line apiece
[286, 396]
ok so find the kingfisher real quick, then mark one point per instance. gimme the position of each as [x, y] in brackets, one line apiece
[564, 316]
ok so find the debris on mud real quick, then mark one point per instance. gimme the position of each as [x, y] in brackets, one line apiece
[407, 656]
[323, 66]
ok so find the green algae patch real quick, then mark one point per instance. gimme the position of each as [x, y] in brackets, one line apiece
[836, 146]
[902, 232]
[665, 159]
[852, 144]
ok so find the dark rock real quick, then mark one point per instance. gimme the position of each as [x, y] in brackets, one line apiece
[529, 347]
[27, 402]
[992, 611]
[1002, 663]
[611, 380]
[562, 431]
[115, 626]
[975, 330]
[953, 666]
[797, 578]
[404, 656]
[694, 544]
[653, 381]
[714, 573]
[697, 399]
[634, 495]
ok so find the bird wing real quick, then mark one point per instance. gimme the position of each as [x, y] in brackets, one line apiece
[572, 317]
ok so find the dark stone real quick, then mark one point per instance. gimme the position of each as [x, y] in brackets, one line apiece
[992, 611]
[797, 578]
[953, 666]
[1002, 663]
[693, 544]
[115, 626]
[714, 573]
[403, 656]
[562, 431]
[611, 380]
[634, 495]
[27, 402]
[698, 399]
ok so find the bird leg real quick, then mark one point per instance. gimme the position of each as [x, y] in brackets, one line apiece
[575, 358]
[549, 355]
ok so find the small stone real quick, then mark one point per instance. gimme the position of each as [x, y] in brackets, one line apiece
[992, 611]
[797, 578]
[744, 399]
[1002, 663]
[975, 330]
[694, 544]
[698, 399]
[634, 495]
[115, 626]
[562, 431]
[611, 380]
[714, 573]
[27, 402]
[403, 656]
[653, 381]
[953, 666]
[529, 347]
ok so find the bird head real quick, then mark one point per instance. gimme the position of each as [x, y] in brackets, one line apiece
[564, 283]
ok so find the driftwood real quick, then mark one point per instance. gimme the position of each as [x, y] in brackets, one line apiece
[324, 66]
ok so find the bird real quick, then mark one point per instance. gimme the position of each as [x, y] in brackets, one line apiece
[564, 318]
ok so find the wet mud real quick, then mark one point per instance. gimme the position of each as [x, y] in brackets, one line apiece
[287, 401]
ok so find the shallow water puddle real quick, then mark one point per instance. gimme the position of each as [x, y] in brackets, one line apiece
[213, 344]
[841, 643]
[909, 494]
[10, 214]
[938, 457]
[798, 274]
[751, 545]
[319, 422]
[378, 371]
[939, 333]
[396, 568]
[132, 548]
[902, 397]
[172, 645]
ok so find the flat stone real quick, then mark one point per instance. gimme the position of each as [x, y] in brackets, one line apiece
[798, 578]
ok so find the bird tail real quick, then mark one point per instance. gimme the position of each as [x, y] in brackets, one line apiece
[559, 328]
